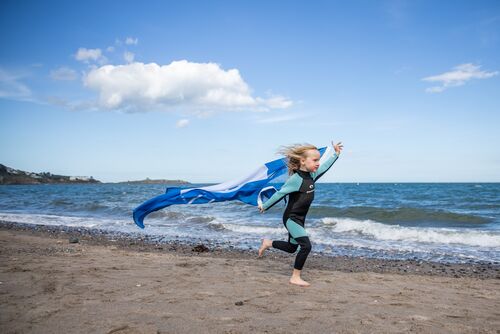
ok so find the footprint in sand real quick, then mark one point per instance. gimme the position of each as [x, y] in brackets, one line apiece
[419, 317]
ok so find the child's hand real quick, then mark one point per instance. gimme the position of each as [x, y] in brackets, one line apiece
[260, 208]
[338, 147]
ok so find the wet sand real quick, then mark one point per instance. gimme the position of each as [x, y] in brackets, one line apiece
[117, 284]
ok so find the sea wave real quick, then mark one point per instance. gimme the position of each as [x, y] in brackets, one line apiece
[94, 206]
[55, 220]
[373, 229]
[253, 230]
[400, 215]
[200, 219]
[61, 202]
[163, 214]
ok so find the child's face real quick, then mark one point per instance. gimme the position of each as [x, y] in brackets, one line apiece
[311, 161]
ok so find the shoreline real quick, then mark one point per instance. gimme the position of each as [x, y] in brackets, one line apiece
[106, 283]
[141, 243]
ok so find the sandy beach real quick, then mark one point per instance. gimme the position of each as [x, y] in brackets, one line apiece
[104, 285]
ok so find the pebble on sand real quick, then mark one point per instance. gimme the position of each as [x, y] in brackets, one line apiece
[200, 248]
[74, 240]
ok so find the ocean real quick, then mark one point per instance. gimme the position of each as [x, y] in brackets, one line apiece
[442, 222]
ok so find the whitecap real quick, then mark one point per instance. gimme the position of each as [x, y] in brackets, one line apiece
[381, 231]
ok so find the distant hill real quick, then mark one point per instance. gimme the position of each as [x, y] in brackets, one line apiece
[14, 176]
[149, 181]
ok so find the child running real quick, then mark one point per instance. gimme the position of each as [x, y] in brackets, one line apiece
[304, 170]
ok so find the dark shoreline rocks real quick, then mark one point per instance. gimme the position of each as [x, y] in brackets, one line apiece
[160, 181]
[11, 176]
[144, 243]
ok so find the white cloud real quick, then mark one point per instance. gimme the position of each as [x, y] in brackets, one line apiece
[180, 84]
[131, 41]
[64, 73]
[70, 105]
[458, 77]
[279, 119]
[110, 49]
[128, 56]
[12, 87]
[86, 55]
[182, 123]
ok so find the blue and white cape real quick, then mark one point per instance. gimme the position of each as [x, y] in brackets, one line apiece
[252, 189]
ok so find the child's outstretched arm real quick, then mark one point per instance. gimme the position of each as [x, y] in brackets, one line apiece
[325, 166]
[291, 185]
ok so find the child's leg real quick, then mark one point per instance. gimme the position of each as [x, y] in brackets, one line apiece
[285, 246]
[281, 245]
[305, 249]
[297, 237]
[300, 236]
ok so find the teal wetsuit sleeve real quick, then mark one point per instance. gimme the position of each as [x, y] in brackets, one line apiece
[325, 166]
[291, 185]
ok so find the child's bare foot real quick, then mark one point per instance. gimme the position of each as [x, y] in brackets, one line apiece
[299, 281]
[295, 279]
[266, 243]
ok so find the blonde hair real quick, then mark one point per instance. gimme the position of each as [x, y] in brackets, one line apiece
[293, 154]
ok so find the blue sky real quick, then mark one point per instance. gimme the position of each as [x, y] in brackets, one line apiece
[207, 91]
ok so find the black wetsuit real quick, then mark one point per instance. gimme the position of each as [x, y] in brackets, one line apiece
[300, 190]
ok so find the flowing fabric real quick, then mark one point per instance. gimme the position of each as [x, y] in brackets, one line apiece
[252, 189]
